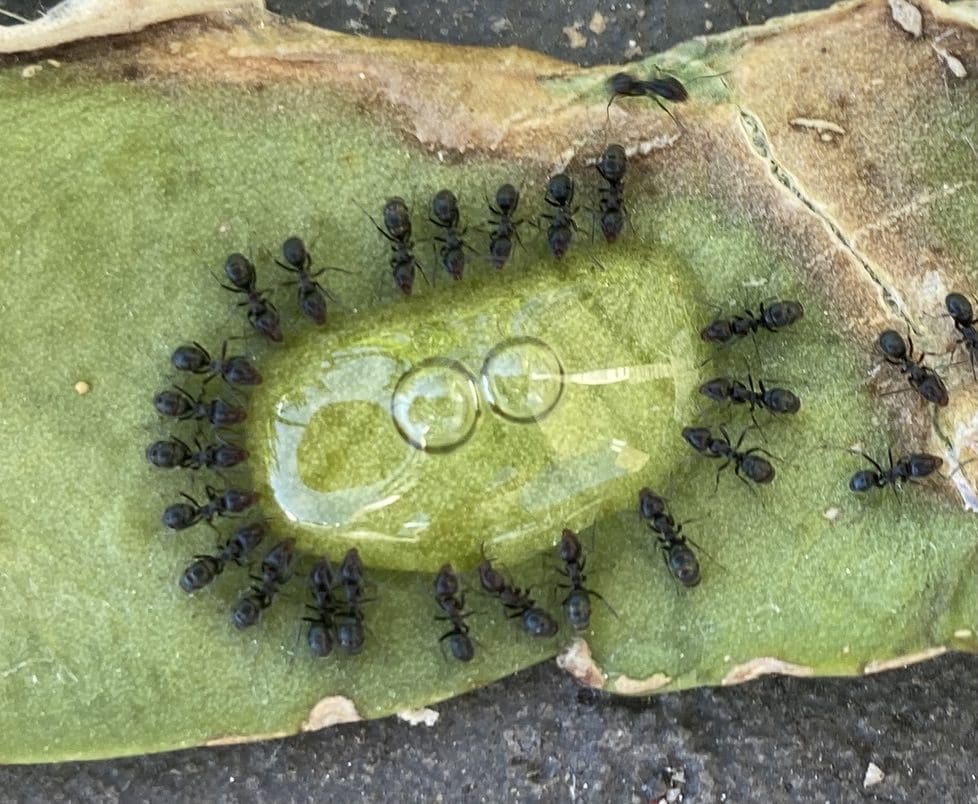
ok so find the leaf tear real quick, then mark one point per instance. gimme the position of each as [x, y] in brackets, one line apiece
[764, 666]
[899, 662]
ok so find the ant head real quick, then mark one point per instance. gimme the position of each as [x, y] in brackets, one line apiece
[321, 576]
[491, 579]
[198, 574]
[507, 198]
[537, 623]
[294, 252]
[246, 613]
[190, 357]
[612, 163]
[351, 568]
[699, 438]
[444, 207]
[892, 345]
[446, 582]
[959, 308]
[718, 331]
[239, 271]
[560, 189]
[782, 314]
[718, 389]
[397, 219]
[278, 560]
[864, 480]
[569, 548]
[650, 504]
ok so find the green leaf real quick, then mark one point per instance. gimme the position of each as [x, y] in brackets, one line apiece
[834, 163]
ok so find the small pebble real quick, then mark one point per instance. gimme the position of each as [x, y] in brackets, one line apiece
[82, 388]
[874, 775]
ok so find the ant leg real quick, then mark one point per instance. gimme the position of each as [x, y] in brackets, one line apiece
[288, 268]
[600, 597]
[716, 486]
[666, 110]
[866, 457]
[376, 225]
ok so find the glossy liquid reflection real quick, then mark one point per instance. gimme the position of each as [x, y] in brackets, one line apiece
[494, 427]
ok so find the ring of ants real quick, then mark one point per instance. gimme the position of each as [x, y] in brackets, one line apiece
[336, 614]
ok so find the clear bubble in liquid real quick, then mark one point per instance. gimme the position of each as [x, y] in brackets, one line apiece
[435, 405]
[522, 379]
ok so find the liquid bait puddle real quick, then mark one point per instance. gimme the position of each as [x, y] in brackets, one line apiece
[427, 431]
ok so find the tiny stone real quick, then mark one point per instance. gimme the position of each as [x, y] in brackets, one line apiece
[597, 24]
[82, 387]
[575, 39]
[907, 16]
[500, 25]
[831, 514]
[31, 70]
[707, 25]
[874, 775]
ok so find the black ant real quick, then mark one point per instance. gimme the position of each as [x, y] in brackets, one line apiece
[962, 313]
[206, 568]
[311, 295]
[275, 571]
[453, 606]
[262, 314]
[444, 214]
[773, 317]
[679, 558]
[911, 467]
[611, 166]
[536, 622]
[775, 400]
[180, 516]
[747, 465]
[665, 87]
[321, 635]
[560, 195]
[349, 622]
[925, 381]
[577, 604]
[505, 232]
[235, 370]
[397, 223]
[175, 453]
[178, 404]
